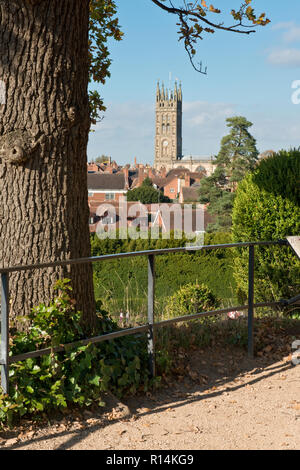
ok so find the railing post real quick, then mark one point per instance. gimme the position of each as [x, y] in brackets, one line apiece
[151, 287]
[4, 333]
[251, 302]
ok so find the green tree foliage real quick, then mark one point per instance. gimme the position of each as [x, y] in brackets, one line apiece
[147, 194]
[103, 26]
[213, 191]
[102, 159]
[238, 155]
[267, 207]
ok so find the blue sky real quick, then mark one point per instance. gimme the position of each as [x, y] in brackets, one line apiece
[247, 75]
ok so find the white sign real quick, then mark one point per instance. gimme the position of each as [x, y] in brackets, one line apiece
[295, 244]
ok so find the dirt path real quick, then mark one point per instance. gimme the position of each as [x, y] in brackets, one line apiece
[228, 402]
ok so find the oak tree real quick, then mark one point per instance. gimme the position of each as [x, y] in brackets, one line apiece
[49, 51]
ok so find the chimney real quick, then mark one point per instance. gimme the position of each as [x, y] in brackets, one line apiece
[135, 162]
[163, 172]
[126, 175]
[109, 169]
[141, 176]
[187, 180]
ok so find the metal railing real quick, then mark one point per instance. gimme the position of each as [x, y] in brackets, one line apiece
[148, 328]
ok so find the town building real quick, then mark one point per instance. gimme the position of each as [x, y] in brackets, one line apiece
[105, 187]
[168, 134]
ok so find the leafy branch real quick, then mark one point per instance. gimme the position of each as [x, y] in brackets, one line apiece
[193, 22]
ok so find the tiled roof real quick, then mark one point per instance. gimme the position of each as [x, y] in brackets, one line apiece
[190, 194]
[106, 181]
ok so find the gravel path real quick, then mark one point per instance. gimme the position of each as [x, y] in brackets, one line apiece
[226, 402]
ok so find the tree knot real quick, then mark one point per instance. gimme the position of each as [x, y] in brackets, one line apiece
[16, 147]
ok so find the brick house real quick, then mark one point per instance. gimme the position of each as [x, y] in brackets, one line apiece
[178, 179]
[106, 187]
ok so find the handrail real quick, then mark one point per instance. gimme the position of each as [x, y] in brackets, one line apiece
[162, 251]
[150, 327]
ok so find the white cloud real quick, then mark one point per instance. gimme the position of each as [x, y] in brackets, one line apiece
[202, 112]
[128, 130]
[275, 132]
[285, 57]
[292, 33]
[204, 125]
[283, 25]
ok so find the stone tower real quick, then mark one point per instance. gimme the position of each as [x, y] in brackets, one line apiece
[168, 135]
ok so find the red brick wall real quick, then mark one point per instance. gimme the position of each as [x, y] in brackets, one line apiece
[173, 185]
[98, 198]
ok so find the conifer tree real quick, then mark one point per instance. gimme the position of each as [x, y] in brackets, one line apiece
[238, 155]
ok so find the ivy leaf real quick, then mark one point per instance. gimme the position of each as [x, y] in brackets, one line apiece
[95, 380]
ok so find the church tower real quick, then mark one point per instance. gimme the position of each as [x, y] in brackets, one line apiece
[168, 135]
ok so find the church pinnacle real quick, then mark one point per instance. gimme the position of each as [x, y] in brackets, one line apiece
[168, 138]
[164, 94]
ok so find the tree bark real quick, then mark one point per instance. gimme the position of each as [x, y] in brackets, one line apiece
[44, 126]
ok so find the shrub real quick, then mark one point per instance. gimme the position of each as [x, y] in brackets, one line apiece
[267, 207]
[191, 299]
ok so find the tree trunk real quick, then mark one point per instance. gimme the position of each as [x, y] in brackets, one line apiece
[44, 126]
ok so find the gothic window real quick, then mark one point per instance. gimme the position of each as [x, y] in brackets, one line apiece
[165, 144]
[168, 128]
[200, 169]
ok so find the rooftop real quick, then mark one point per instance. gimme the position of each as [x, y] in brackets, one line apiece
[106, 181]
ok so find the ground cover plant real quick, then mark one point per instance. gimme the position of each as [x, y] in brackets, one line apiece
[79, 375]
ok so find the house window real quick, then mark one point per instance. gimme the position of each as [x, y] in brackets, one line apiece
[172, 190]
[109, 196]
[108, 220]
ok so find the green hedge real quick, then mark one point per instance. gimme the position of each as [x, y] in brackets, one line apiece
[267, 207]
[122, 283]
